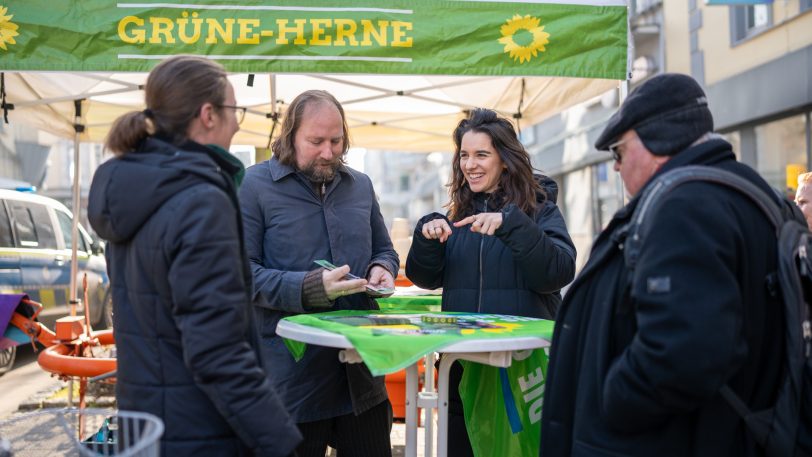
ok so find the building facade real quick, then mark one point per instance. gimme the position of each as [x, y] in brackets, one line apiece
[755, 63]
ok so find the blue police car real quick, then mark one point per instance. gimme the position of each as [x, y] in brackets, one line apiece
[35, 256]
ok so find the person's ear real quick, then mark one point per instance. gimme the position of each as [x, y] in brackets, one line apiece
[206, 114]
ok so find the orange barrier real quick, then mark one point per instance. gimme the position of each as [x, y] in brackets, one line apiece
[67, 351]
[396, 388]
[63, 359]
[403, 281]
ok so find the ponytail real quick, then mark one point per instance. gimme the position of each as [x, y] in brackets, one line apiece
[175, 90]
[128, 132]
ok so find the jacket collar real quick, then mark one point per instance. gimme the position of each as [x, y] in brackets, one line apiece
[279, 171]
[710, 152]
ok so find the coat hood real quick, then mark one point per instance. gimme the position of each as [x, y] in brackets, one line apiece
[127, 190]
[550, 187]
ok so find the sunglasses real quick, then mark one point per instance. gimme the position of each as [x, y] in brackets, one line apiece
[239, 111]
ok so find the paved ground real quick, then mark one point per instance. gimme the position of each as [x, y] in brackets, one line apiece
[28, 387]
[23, 383]
[398, 438]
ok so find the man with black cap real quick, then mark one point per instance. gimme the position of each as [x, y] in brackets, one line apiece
[638, 358]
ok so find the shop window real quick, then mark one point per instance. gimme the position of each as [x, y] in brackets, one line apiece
[527, 135]
[780, 144]
[608, 195]
[734, 138]
[746, 21]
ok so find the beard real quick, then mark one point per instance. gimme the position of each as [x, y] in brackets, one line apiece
[322, 170]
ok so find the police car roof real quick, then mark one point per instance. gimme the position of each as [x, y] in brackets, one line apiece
[7, 194]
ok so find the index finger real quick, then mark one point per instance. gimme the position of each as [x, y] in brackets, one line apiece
[465, 221]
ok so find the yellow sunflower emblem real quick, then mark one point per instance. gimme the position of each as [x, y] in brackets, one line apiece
[8, 29]
[523, 37]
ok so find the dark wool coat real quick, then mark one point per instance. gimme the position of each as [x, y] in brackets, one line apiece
[188, 350]
[287, 227]
[518, 271]
[637, 360]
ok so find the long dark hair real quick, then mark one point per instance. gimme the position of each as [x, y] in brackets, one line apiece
[176, 89]
[516, 184]
[284, 147]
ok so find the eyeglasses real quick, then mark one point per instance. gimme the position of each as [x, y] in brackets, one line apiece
[239, 111]
[614, 148]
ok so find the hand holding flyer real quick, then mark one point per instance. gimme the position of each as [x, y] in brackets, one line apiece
[371, 290]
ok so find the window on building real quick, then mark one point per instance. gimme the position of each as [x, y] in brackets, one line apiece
[806, 5]
[527, 135]
[749, 20]
[779, 145]
[608, 195]
[404, 183]
[734, 138]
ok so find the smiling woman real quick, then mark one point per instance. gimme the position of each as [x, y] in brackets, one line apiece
[503, 247]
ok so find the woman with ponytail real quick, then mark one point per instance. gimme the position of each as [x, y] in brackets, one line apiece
[167, 204]
[503, 247]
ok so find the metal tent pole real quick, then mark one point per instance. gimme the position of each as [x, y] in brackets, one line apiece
[74, 266]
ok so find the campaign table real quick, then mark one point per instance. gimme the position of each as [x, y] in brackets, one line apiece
[412, 299]
[388, 341]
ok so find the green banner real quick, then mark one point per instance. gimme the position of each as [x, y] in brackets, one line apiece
[502, 406]
[555, 38]
[389, 341]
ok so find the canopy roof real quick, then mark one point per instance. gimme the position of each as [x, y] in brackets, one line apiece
[421, 119]
[385, 61]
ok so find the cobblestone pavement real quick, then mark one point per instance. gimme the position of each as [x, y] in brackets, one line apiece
[55, 397]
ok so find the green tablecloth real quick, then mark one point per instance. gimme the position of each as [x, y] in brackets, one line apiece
[430, 303]
[389, 341]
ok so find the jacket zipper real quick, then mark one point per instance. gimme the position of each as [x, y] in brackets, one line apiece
[481, 245]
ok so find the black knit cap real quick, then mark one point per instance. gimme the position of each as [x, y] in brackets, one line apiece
[668, 112]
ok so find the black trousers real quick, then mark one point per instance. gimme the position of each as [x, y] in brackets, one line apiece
[459, 445]
[365, 435]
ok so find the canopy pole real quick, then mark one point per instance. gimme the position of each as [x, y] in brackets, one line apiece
[518, 114]
[272, 81]
[274, 114]
[78, 128]
[5, 106]
[74, 267]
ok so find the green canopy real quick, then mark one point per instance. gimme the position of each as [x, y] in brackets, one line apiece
[525, 59]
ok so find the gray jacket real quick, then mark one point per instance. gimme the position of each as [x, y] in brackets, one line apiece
[288, 226]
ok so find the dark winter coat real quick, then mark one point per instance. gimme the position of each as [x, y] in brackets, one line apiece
[187, 347]
[517, 271]
[287, 227]
[637, 361]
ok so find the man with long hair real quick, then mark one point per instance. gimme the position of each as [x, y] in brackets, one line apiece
[306, 196]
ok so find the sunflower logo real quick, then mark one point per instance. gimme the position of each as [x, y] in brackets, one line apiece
[8, 29]
[523, 37]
